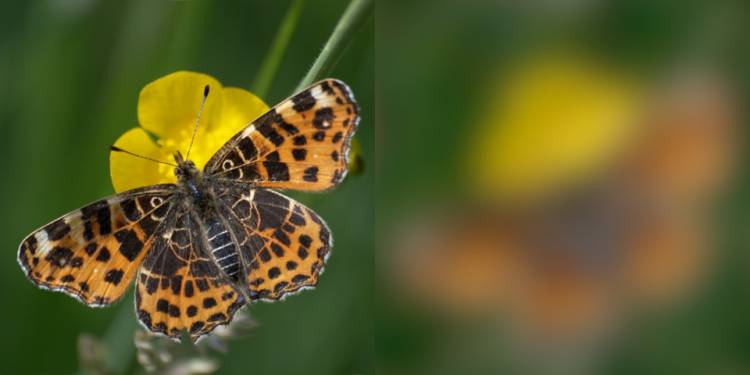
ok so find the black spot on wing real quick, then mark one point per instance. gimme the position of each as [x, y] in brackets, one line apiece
[274, 156]
[59, 256]
[130, 209]
[278, 250]
[299, 154]
[209, 303]
[90, 248]
[274, 272]
[176, 282]
[282, 237]
[103, 255]
[152, 284]
[104, 220]
[303, 101]
[277, 171]
[113, 276]
[289, 128]
[264, 255]
[302, 253]
[310, 174]
[297, 217]
[57, 230]
[247, 147]
[174, 311]
[323, 118]
[337, 137]
[162, 305]
[305, 240]
[327, 88]
[266, 129]
[202, 284]
[189, 291]
[130, 244]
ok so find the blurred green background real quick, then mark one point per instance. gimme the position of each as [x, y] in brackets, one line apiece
[438, 64]
[71, 72]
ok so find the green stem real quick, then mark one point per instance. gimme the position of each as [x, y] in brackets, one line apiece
[353, 18]
[271, 63]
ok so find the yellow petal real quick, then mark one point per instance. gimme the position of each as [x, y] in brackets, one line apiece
[168, 107]
[129, 172]
[555, 123]
[239, 108]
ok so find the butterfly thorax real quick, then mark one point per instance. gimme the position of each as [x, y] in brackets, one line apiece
[191, 180]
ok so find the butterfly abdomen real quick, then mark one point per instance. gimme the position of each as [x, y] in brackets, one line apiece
[222, 247]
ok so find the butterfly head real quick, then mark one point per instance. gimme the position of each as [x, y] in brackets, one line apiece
[185, 169]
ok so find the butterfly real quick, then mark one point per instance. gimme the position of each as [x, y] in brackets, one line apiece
[220, 237]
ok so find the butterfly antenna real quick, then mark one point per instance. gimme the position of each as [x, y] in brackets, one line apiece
[117, 149]
[197, 121]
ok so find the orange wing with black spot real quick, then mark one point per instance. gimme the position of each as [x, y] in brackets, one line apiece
[92, 253]
[301, 144]
[283, 244]
[180, 286]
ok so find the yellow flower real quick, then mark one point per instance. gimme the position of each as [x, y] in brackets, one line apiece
[167, 110]
[556, 121]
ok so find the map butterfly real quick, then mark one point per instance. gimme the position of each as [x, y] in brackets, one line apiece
[217, 239]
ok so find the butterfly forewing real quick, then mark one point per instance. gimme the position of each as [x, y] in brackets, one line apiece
[301, 144]
[92, 253]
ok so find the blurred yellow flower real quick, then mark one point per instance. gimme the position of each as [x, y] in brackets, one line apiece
[167, 110]
[555, 121]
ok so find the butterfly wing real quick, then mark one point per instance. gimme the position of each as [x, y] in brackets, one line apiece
[283, 244]
[302, 143]
[180, 287]
[92, 253]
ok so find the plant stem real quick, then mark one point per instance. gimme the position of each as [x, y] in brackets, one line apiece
[351, 21]
[271, 62]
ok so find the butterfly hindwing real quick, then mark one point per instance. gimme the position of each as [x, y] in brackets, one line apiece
[180, 286]
[92, 253]
[302, 143]
[284, 246]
